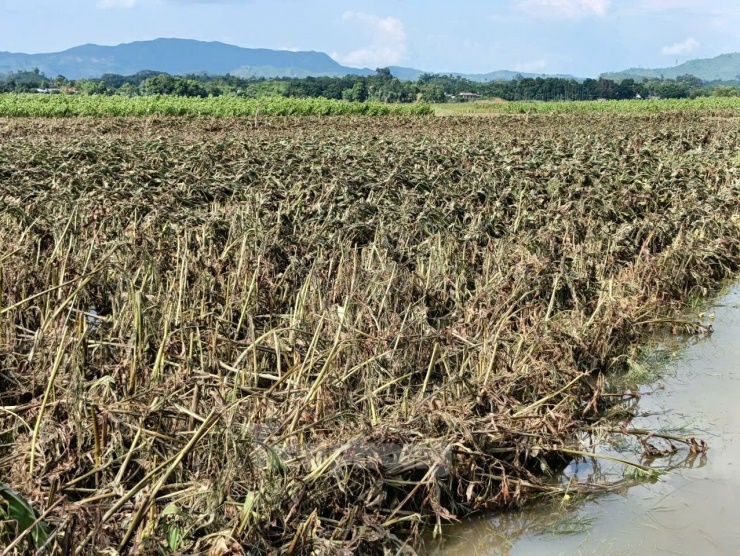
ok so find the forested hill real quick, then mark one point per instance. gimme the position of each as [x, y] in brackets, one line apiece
[177, 57]
[725, 67]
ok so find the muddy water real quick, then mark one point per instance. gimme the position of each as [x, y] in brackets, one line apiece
[694, 508]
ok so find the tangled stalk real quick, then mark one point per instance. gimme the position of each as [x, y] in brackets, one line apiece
[308, 335]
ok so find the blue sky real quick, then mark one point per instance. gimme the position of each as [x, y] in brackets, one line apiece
[579, 37]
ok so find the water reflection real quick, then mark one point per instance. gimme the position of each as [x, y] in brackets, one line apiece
[691, 508]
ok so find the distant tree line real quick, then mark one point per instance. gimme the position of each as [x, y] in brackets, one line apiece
[381, 86]
[554, 88]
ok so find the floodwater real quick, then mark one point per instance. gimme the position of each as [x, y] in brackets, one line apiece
[693, 508]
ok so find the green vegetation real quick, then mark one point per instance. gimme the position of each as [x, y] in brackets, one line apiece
[548, 89]
[382, 86]
[704, 104]
[101, 105]
[15, 509]
[317, 335]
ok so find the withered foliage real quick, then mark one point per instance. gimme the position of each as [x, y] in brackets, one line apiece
[314, 335]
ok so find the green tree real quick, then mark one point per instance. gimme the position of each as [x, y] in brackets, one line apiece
[61, 81]
[127, 90]
[91, 87]
[383, 73]
[627, 88]
[162, 84]
[359, 92]
[432, 93]
[689, 80]
[726, 91]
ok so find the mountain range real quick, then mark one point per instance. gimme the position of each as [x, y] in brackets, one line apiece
[725, 67]
[177, 57]
[183, 56]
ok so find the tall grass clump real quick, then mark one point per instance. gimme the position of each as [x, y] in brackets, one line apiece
[320, 336]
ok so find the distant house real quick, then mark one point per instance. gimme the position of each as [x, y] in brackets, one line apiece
[48, 91]
[468, 96]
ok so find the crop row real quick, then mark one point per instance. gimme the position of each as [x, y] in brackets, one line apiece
[101, 105]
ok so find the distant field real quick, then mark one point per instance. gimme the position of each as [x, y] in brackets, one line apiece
[600, 106]
[100, 105]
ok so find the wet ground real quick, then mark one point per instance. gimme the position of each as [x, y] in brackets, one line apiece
[693, 508]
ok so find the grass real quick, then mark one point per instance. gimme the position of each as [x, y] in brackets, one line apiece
[312, 335]
[486, 107]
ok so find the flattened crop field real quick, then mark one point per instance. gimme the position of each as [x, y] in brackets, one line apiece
[317, 335]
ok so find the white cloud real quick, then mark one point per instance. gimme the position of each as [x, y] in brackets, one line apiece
[534, 66]
[684, 47]
[662, 5]
[717, 8]
[387, 41]
[564, 8]
[116, 4]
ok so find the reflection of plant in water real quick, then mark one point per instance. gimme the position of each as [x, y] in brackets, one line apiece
[567, 524]
[556, 515]
[602, 467]
[616, 455]
[564, 512]
[654, 360]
